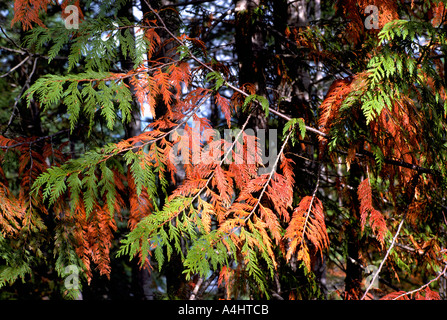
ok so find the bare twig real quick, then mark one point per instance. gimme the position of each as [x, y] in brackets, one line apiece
[314, 194]
[409, 199]
[9, 38]
[187, 3]
[13, 50]
[193, 295]
[34, 141]
[442, 273]
[386, 257]
[18, 65]
[25, 86]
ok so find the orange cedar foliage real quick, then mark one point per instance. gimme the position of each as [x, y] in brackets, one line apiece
[376, 219]
[35, 156]
[153, 39]
[80, 236]
[438, 11]
[225, 276]
[99, 229]
[27, 12]
[331, 104]
[397, 132]
[402, 295]
[280, 190]
[307, 223]
[12, 211]
[222, 179]
[151, 82]
[354, 12]
[224, 105]
[94, 234]
[140, 206]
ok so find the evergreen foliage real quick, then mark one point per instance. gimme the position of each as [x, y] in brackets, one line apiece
[87, 193]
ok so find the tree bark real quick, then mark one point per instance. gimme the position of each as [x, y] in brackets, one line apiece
[250, 54]
[354, 269]
[141, 278]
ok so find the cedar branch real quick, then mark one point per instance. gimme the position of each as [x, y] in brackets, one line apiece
[410, 197]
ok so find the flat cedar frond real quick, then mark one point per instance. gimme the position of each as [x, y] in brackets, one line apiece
[190, 187]
[148, 84]
[163, 81]
[376, 219]
[153, 39]
[328, 109]
[27, 12]
[224, 105]
[397, 295]
[353, 11]
[206, 212]
[397, 131]
[100, 228]
[179, 73]
[226, 277]
[438, 12]
[307, 224]
[348, 8]
[12, 212]
[6, 142]
[387, 10]
[280, 192]
[223, 180]
[252, 186]
[140, 205]
[242, 173]
[271, 222]
[428, 295]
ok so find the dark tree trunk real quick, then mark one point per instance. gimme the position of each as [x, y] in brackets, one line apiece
[354, 269]
[141, 278]
[249, 49]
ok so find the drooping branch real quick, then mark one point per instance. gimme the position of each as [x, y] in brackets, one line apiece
[409, 199]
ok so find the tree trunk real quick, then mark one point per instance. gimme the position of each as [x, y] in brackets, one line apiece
[175, 280]
[141, 278]
[249, 49]
[354, 270]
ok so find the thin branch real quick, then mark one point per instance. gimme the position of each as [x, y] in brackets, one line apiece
[314, 194]
[442, 273]
[18, 65]
[13, 50]
[34, 141]
[270, 176]
[193, 295]
[409, 197]
[187, 3]
[25, 86]
[386, 257]
[10, 39]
